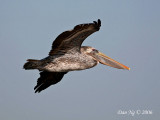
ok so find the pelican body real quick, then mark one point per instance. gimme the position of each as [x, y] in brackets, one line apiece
[67, 54]
[67, 62]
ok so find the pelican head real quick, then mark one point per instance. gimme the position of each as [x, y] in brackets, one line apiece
[102, 58]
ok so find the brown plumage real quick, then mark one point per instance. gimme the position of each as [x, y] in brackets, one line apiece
[47, 79]
[67, 54]
[73, 39]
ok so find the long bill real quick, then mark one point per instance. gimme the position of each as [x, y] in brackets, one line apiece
[109, 61]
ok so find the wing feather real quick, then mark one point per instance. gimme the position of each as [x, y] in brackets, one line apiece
[47, 79]
[72, 39]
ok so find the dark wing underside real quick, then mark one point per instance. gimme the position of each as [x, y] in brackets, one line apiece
[72, 39]
[47, 79]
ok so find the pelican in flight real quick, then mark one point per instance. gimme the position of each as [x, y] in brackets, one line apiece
[67, 54]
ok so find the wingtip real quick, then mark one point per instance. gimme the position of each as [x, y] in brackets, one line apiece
[99, 21]
[37, 90]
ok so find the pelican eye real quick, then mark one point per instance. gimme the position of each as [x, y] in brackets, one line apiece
[94, 50]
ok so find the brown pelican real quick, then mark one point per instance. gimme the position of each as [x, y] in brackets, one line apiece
[67, 54]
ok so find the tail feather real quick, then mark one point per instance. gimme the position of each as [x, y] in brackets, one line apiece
[31, 64]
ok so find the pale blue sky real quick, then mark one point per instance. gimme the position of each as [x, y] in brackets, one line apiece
[130, 34]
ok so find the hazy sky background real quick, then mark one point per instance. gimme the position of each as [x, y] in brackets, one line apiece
[130, 34]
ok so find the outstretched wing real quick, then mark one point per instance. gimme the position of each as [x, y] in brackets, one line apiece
[72, 39]
[47, 79]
